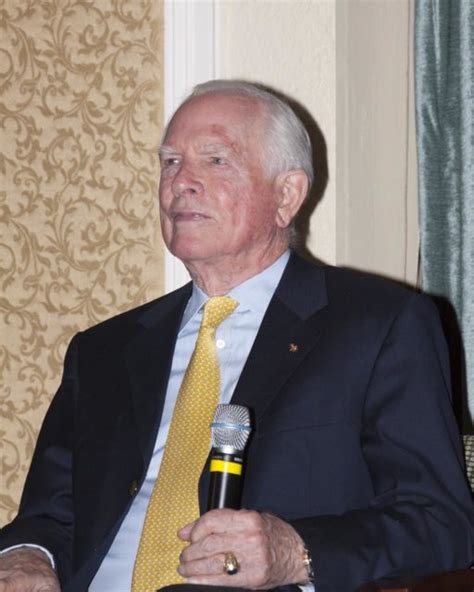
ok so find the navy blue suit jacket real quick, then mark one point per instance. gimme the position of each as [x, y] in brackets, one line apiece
[354, 440]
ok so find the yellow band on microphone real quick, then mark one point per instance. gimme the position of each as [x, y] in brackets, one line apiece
[225, 466]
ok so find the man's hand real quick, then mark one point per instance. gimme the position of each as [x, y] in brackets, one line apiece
[27, 570]
[268, 549]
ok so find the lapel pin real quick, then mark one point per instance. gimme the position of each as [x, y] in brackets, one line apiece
[293, 348]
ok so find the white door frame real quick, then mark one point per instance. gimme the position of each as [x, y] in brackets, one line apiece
[189, 39]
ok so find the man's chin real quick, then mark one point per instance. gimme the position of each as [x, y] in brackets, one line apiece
[190, 253]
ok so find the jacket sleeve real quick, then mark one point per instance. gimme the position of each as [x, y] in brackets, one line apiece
[420, 519]
[46, 516]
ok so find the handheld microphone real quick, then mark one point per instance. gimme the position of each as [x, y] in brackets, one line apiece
[230, 430]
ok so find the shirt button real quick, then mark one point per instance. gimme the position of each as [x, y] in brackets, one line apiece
[220, 343]
[133, 490]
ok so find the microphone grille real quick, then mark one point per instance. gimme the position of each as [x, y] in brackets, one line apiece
[230, 427]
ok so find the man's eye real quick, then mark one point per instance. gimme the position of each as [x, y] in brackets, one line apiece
[217, 160]
[170, 161]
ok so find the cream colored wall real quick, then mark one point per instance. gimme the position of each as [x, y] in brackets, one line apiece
[347, 62]
[377, 213]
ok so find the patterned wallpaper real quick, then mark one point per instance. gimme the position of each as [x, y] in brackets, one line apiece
[80, 121]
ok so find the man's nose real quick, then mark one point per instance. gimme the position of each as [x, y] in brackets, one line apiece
[186, 181]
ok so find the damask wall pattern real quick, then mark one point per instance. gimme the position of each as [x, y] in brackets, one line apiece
[80, 121]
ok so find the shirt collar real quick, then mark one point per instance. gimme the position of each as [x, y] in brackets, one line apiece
[252, 295]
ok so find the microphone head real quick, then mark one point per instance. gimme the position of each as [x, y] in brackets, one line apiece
[230, 427]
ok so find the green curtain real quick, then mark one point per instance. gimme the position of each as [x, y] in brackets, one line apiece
[444, 74]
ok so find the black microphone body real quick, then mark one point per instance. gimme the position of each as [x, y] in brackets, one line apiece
[225, 489]
[230, 431]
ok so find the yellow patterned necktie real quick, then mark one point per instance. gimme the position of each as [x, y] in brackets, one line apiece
[174, 500]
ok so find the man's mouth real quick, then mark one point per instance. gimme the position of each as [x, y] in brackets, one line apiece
[188, 216]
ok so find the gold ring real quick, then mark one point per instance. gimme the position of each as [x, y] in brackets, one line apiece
[231, 565]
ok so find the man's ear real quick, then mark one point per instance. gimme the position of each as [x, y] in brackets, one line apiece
[291, 188]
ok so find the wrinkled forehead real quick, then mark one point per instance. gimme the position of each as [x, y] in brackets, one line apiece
[219, 114]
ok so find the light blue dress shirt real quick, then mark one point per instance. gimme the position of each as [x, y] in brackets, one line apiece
[234, 340]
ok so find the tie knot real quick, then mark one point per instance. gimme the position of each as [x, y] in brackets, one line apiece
[217, 309]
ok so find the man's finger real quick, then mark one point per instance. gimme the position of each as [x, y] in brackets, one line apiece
[223, 521]
[185, 532]
[204, 566]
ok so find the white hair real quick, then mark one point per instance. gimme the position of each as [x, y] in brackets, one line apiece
[287, 143]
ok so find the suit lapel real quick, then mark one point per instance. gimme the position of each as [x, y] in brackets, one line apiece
[290, 330]
[148, 358]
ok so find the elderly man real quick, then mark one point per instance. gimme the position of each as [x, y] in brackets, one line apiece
[355, 462]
